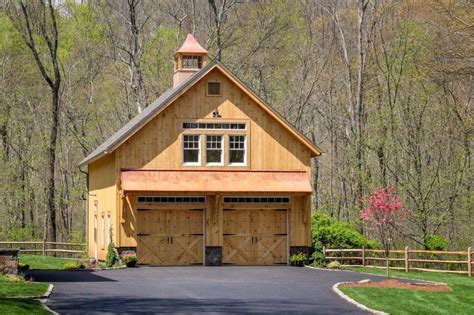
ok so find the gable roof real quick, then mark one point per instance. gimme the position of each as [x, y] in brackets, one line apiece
[169, 96]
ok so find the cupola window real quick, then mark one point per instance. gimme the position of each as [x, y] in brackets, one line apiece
[192, 62]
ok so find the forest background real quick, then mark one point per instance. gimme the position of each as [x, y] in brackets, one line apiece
[383, 87]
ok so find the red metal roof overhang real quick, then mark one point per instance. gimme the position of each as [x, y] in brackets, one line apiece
[215, 181]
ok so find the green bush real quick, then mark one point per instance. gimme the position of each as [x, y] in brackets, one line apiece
[435, 242]
[318, 259]
[334, 265]
[70, 266]
[130, 261]
[331, 233]
[298, 259]
[23, 266]
[111, 257]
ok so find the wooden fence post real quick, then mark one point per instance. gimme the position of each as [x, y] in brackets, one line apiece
[44, 247]
[363, 256]
[469, 261]
[324, 252]
[406, 259]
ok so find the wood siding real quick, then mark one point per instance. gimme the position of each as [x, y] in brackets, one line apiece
[158, 144]
[103, 192]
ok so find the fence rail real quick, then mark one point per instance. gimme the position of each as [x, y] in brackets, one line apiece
[365, 257]
[44, 247]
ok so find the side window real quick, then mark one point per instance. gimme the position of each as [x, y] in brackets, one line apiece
[214, 152]
[237, 148]
[191, 150]
[108, 229]
[102, 229]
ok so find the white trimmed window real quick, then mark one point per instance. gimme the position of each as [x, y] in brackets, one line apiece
[108, 229]
[191, 150]
[237, 148]
[214, 150]
[102, 229]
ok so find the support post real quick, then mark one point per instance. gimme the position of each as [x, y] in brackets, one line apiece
[407, 268]
[469, 262]
[324, 252]
[44, 246]
[363, 256]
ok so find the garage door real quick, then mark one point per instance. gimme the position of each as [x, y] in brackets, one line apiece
[255, 236]
[170, 236]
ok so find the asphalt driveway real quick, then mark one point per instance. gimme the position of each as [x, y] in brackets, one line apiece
[199, 289]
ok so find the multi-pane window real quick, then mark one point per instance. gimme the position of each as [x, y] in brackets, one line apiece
[223, 126]
[171, 199]
[191, 149]
[236, 150]
[266, 199]
[214, 149]
[192, 62]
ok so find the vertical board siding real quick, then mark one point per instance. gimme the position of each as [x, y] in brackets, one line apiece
[157, 145]
[102, 189]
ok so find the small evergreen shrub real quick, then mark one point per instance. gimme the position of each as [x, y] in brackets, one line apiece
[70, 266]
[111, 257]
[130, 261]
[298, 259]
[334, 265]
[435, 242]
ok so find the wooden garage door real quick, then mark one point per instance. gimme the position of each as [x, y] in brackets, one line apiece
[170, 237]
[255, 237]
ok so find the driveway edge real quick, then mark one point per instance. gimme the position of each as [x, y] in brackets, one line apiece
[44, 299]
[352, 301]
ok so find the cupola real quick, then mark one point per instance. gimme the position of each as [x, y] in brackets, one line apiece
[188, 59]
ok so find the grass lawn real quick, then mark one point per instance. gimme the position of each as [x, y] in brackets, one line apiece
[14, 290]
[21, 306]
[44, 262]
[398, 301]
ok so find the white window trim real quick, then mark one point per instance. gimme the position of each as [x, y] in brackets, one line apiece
[102, 230]
[108, 229]
[198, 163]
[221, 163]
[245, 151]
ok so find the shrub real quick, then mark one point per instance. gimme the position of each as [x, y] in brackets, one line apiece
[15, 278]
[334, 265]
[298, 259]
[318, 259]
[435, 242]
[130, 261]
[82, 267]
[70, 266]
[23, 266]
[111, 257]
[331, 233]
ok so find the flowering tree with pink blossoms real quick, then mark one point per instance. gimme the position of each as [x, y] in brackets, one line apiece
[383, 213]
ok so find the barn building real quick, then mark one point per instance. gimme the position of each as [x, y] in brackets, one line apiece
[207, 174]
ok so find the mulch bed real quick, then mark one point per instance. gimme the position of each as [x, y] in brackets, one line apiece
[397, 284]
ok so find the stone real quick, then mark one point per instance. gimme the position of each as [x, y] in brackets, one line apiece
[9, 261]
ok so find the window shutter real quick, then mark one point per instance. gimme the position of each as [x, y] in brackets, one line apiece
[214, 88]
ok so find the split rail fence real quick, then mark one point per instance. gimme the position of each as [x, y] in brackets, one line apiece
[59, 249]
[408, 259]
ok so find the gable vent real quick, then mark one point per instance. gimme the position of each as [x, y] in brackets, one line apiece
[213, 88]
